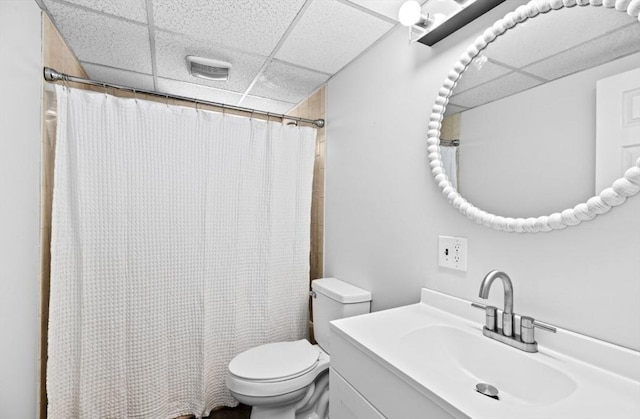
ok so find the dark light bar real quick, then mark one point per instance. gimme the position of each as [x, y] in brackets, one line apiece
[455, 22]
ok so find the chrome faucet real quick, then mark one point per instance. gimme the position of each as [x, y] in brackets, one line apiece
[507, 314]
[525, 341]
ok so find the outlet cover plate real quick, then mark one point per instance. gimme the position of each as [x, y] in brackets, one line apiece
[452, 252]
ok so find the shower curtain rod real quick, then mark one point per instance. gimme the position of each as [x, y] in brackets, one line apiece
[450, 143]
[52, 75]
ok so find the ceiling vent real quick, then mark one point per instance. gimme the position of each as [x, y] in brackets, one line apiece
[206, 68]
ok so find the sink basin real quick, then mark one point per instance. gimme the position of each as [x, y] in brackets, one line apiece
[517, 375]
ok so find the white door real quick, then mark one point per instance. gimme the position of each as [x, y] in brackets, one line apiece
[617, 126]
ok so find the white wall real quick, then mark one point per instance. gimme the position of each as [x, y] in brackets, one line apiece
[20, 116]
[384, 212]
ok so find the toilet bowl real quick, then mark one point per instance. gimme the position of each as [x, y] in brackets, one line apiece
[283, 380]
[290, 380]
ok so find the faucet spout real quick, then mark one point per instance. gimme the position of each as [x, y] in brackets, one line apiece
[507, 316]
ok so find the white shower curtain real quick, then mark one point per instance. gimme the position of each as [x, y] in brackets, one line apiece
[448, 156]
[180, 238]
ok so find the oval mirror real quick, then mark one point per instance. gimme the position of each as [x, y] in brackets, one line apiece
[541, 113]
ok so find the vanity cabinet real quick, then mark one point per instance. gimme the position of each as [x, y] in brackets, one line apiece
[365, 388]
[347, 403]
[425, 361]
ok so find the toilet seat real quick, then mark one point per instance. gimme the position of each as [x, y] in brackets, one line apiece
[275, 361]
[276, 368]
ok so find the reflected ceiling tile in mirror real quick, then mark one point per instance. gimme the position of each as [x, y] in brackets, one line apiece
[494, 90]
[453, 109]
[602, 50]
[480, 70]
[579, 24]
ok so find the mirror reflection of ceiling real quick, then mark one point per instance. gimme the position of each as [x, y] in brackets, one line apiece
[542, 49]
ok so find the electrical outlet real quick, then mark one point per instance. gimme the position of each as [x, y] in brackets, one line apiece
[452, 252]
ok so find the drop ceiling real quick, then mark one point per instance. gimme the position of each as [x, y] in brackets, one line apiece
[281, 51]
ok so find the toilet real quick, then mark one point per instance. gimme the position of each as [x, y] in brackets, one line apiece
[290, 380]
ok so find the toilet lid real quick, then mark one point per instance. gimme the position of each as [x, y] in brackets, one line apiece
[275, 360]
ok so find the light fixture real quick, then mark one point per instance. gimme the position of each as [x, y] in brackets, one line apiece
[437, 19]
[410, 13]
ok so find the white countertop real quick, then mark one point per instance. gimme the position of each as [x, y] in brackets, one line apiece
[597, 379]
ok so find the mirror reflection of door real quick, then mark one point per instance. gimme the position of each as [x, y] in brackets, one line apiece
[617, 126]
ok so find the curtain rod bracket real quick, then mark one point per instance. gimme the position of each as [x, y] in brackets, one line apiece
[52, 75]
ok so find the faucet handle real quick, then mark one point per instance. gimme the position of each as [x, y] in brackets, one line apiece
[490, 315]
[478, 305]
[526, 328]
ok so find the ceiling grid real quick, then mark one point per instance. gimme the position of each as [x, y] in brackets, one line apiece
[152, 43]
[280, 51]
[275, 49]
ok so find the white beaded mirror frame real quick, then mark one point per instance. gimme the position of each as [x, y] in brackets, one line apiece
[621, 189]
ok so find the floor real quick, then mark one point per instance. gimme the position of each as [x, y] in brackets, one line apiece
[239, 412]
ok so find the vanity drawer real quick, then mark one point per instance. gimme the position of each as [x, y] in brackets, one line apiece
[346, 402]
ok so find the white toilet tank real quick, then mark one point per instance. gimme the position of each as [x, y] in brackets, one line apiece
[334, 299]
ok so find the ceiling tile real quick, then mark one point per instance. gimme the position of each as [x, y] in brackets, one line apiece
[325, 37]
[101, 39]
[599, 51]
[388, 8]
[554, 32]
[494, 90]
[119, 77]
[171, 50]
[130, 9]
[197, 91]
[267, 105]
[255, 26]
[287, 83]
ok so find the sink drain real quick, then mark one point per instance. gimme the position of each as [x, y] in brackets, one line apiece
[488, 390]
